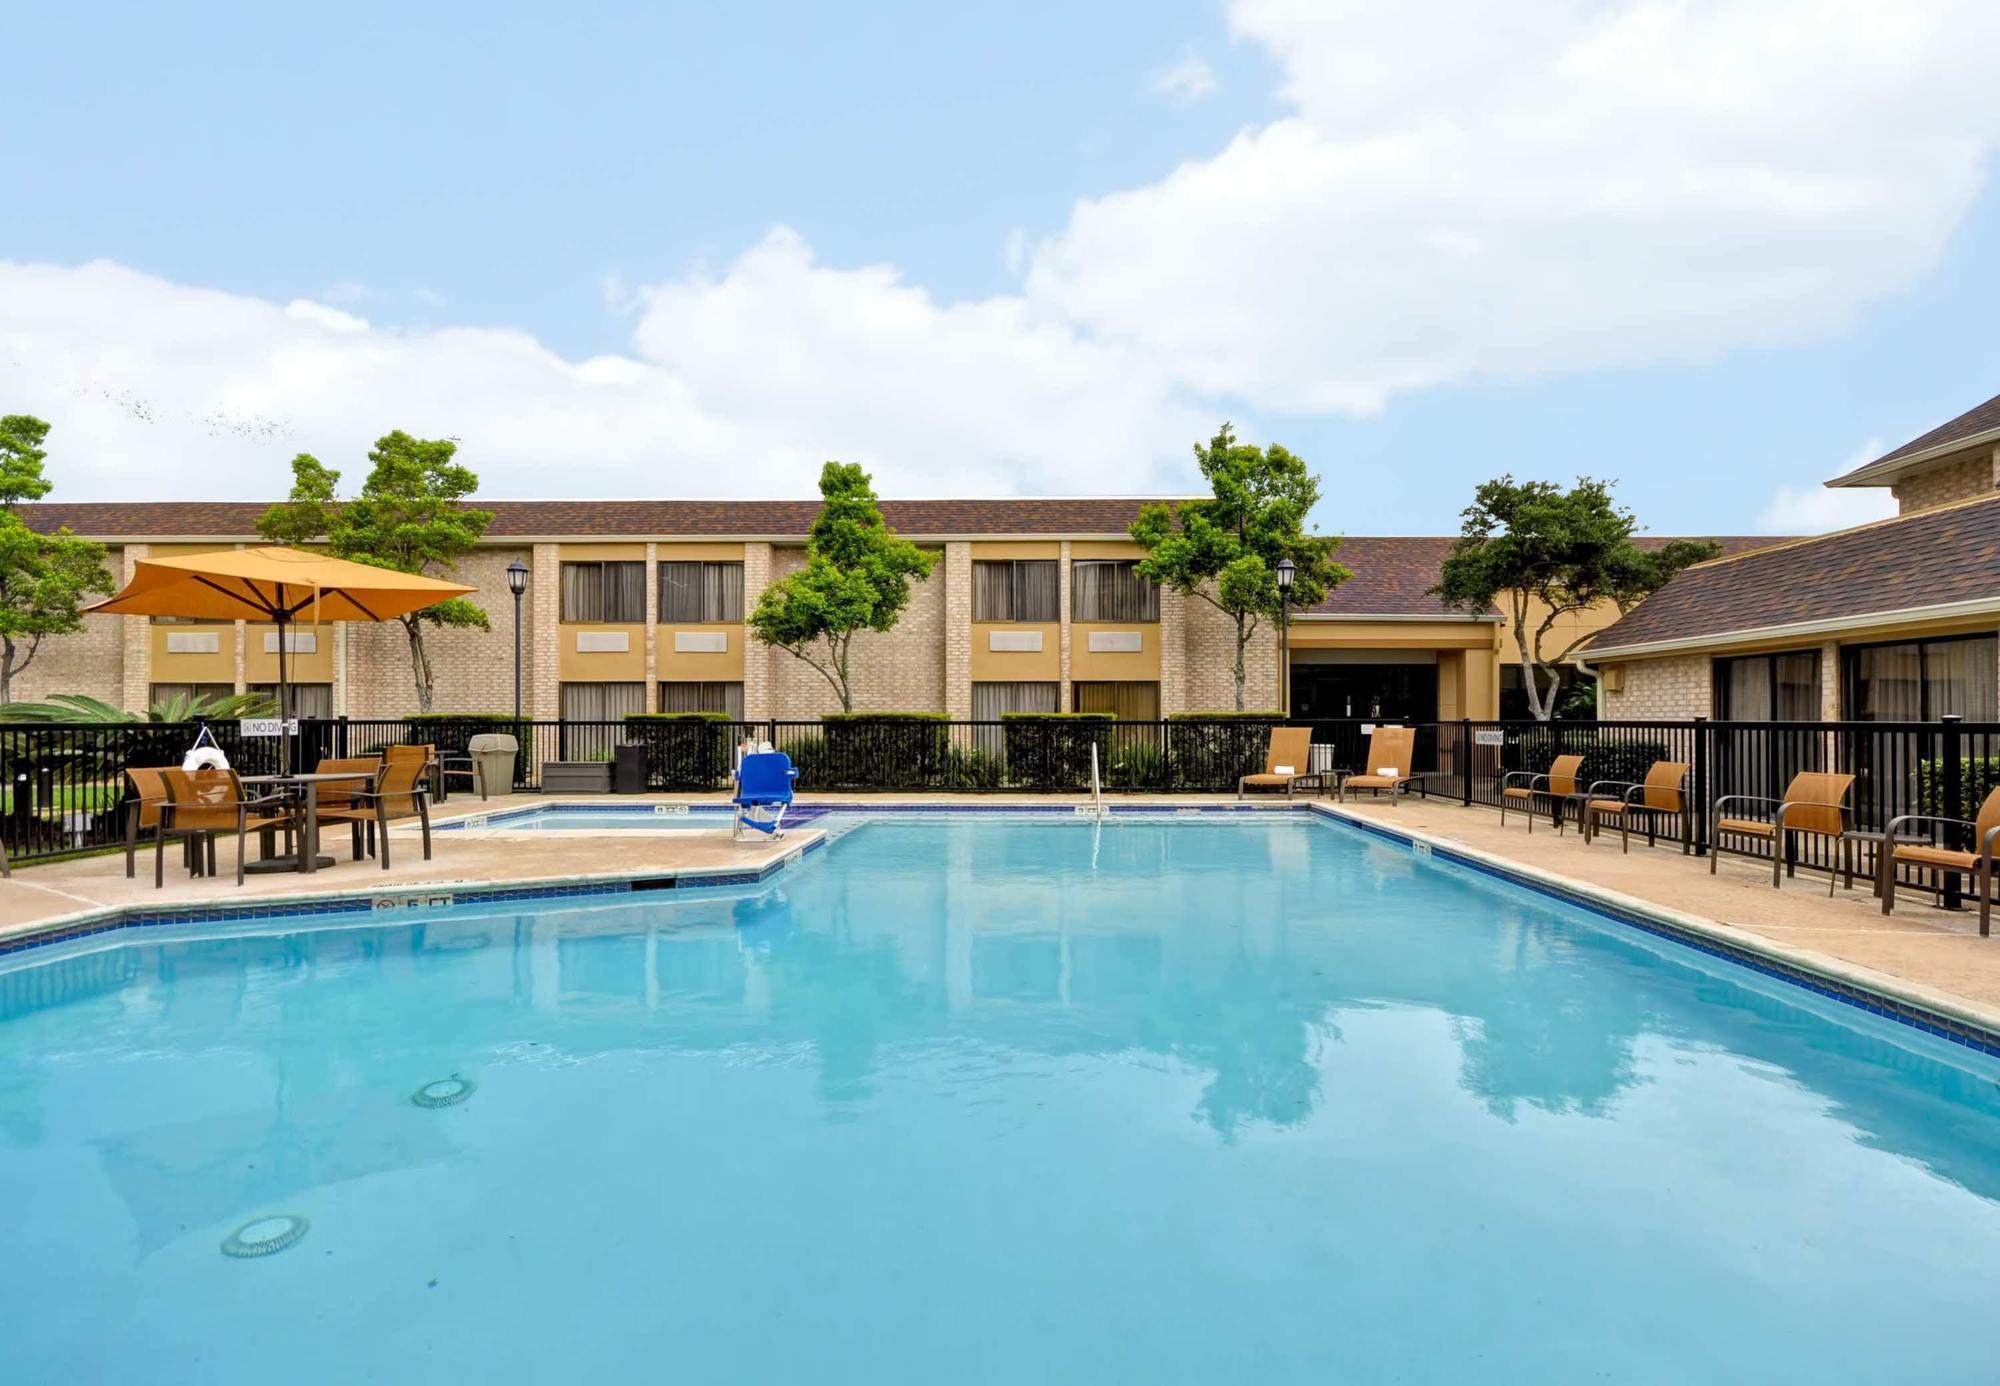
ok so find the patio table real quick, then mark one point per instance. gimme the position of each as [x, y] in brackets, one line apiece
[307, 859]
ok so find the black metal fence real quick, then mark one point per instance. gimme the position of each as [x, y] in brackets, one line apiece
[64, 784]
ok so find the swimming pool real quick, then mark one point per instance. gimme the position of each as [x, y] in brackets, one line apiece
[1229, 1098]
[598, 818]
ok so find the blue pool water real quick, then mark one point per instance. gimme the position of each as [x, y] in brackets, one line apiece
[1224, 1100]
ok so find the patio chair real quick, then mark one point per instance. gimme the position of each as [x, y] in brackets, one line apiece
[763, 783]
[1559, 785]
[1390, 751]
[334, 796]
[426, 758]
[1978, 862]
[142, 814]
[202, 803]
[1286, 762]
[398, 792]
[1659, 793]
[1815, 802]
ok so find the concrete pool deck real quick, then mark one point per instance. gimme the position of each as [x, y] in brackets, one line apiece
[1934, 954]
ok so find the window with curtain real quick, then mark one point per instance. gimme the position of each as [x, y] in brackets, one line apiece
[602, 702]
[604, 592]
[1768, 688]
[1022, 589]
[1922, 680]
[694, 696]
[308, 699]
[990, 701]
[1111, 590]
[161, 692]
[1127, 700]
[696, 592]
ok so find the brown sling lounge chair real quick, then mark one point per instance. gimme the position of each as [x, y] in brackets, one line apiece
[1286, 762]
[1977, 863]
[1558, 786]
[1658, 793]
[1815, 802]
[398, 792]
[1390, 750]
[201, 804]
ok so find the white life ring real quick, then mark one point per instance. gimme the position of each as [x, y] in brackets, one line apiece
[207, 757]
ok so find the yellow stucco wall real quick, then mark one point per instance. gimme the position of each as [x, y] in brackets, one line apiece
[605, 666]
[988, 665]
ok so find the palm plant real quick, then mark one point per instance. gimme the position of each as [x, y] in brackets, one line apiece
[79, 708]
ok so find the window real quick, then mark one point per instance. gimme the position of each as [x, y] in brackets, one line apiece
[991, 701]
[604, 592]
[1922, 680]
[601, 702]
[703, 697]
[1027, 589]
[308, 699]
[701, 592]
[1109, 590]
[1768, 688]
[206, 692]
[1127, 700]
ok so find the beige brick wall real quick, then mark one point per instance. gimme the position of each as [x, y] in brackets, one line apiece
[956, 574]
[93, 661]
[902, 671]
[473, 669]
[1671, 689]
[758, 682]
[1964, 479]
[1173, 653]
[1211, 658]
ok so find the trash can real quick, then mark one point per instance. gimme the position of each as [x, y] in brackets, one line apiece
[628, 769]
[493, 756]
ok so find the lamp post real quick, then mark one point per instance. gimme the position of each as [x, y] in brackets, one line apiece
[1285, 571]
[517, 583]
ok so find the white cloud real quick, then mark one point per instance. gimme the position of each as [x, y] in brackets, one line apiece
[1185, 81]
[736, 385]
[1456, 191]
[1811, 508]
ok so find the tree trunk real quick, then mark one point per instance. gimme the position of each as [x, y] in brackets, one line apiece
[6, 670]
[1540, 708]
[1242, 674]
[420, 664]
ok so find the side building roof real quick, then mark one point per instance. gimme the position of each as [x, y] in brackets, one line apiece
[1933, 564]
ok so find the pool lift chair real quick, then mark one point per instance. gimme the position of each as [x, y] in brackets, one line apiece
[763, 792]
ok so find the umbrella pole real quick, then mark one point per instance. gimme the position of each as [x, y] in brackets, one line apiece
[284, 698]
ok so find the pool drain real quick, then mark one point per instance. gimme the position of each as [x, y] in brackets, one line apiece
[444, 1092]
[265, 1236]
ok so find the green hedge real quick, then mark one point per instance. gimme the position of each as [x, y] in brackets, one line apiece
[684, 750]
[1051, 750]
[1267, 716]
[1602, 760]
[1978, 777]
[864, 750]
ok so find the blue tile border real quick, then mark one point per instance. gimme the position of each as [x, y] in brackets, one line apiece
[1930, 1022]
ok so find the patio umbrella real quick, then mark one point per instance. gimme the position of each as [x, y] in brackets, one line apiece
[282, 586]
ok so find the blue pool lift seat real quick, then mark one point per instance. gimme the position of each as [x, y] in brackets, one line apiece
[763, 791]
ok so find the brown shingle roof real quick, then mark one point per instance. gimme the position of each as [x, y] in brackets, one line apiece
[1974, 422]
[1392, 576]
[621, 519]
[1932, 558]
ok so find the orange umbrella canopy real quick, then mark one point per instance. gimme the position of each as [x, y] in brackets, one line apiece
[273, 584]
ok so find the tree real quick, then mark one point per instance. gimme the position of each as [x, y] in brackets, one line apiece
[410, 516]
[70, 708]
[43, 577]
[1225, 550]
[857, 577]
[1546, 555]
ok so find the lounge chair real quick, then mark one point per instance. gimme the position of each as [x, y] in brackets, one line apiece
[1815, 802]
[1559, 785]
[1978, 862]
[1659, 793]
[1285, 763]
[1390, 751]
[202, 803]
[763, 784]
[399, 791]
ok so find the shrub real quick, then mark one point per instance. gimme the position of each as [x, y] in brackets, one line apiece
[1051, 750]
[1268, 716]
[684, 750]
[808, 753]
[1213, 750]
[1139, 765]
[972, 768]
[893, 750]
[1602, 759]
[1978, 777]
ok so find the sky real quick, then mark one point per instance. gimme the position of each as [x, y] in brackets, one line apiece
[1713, 250]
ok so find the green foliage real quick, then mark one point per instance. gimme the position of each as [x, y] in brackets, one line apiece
[1545, 554]
[73, 709]
[410, 516]
[1050, 751]
[857, 577]
[856, 718]
[1270, 715]
[44, 578]
[1138, 764]
[1058, 717]
[1978, 777]
[1603, 757]
[684, 750]
[1225, 549]
[972, 768]
[642, 717]
[1205, 751]
[498, 721]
